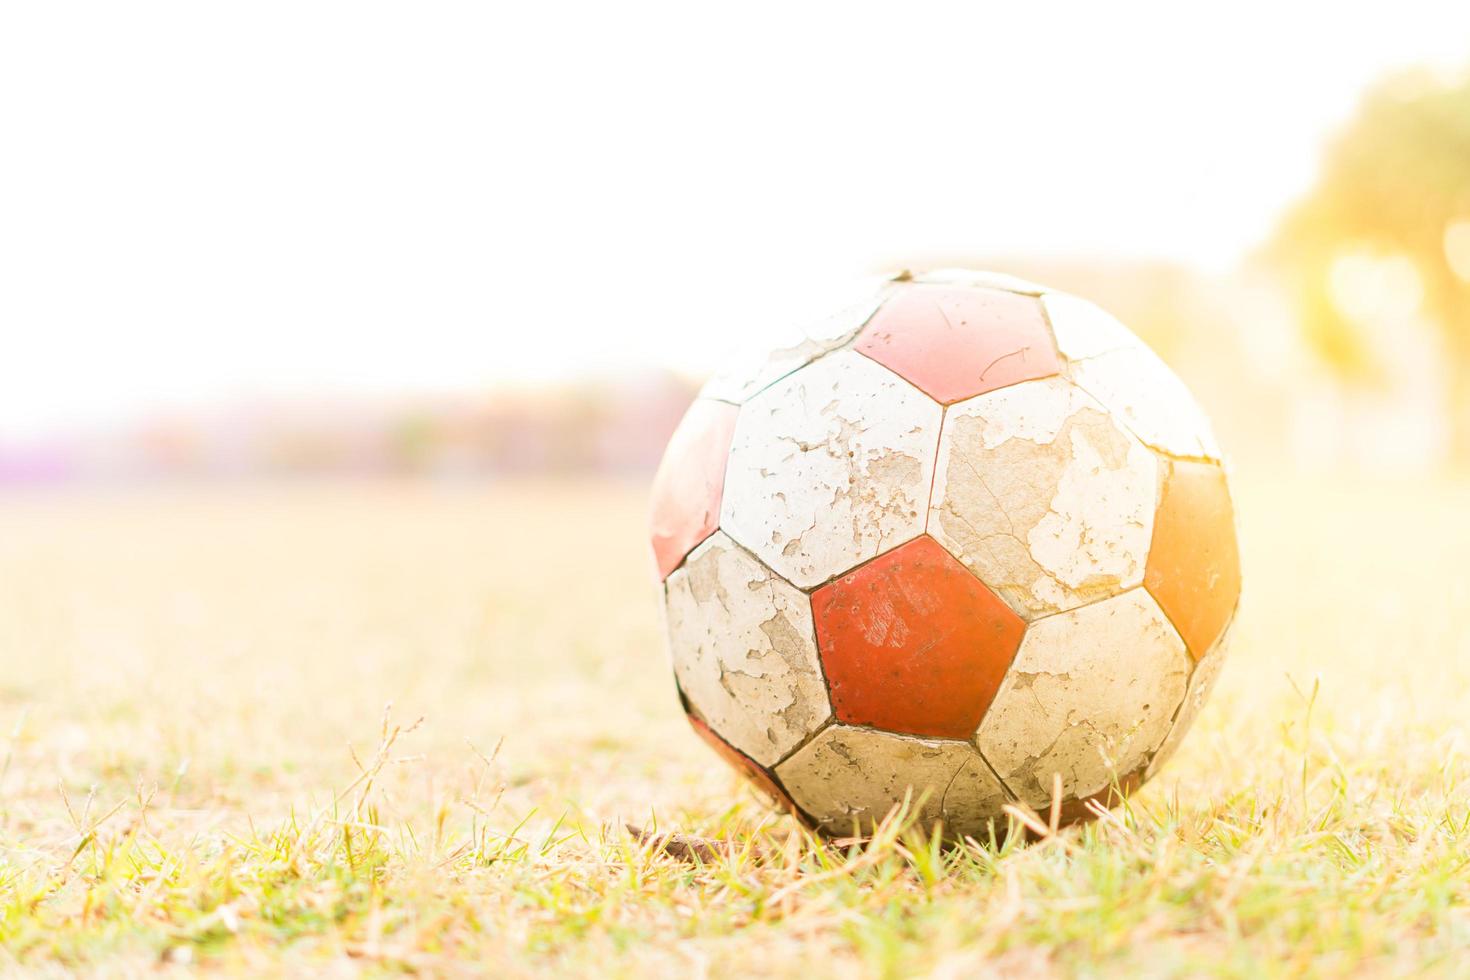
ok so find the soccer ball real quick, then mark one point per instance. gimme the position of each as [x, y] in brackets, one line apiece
[968, 541]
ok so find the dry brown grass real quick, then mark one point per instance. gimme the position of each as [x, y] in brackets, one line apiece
[192, 692]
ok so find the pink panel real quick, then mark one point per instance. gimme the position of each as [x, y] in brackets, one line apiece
[690, 481]
[955, 342]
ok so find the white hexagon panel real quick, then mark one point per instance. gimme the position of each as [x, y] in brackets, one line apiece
[1044, 496]
[848, 779]
[744, 650]
[829, 467]
[1201, 683]
[1090, 697]
[1109, 362]
[1084, 329]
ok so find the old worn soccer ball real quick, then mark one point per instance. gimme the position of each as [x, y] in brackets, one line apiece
[968, 541]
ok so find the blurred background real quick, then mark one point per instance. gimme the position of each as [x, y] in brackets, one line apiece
[478, 240]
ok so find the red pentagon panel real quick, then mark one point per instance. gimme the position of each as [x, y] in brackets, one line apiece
[690, 481]
[913, 642]
[1194, 563]
[746, 766]
[955, 342]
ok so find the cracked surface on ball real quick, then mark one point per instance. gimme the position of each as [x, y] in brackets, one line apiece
[1044, 497]
[1149, 399]
[830, 467]
[1090, 695]
[744, 650]
[1201, 683]
[850, 778]
[968, 540]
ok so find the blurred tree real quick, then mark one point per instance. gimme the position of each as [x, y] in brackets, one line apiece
[1394, 188]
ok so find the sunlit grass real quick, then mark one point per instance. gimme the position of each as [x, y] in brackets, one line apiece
[197, 768]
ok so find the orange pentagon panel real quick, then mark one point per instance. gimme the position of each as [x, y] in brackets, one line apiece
[955, 342]
[690, 482]
[912, 642]
[747, 767]
[1193, 563]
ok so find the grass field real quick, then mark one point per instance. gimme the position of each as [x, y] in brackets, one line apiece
[195, 770]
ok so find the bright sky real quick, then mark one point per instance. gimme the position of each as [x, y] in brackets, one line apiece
[203, 202]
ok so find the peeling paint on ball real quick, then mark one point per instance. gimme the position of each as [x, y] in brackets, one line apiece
[964, 541]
